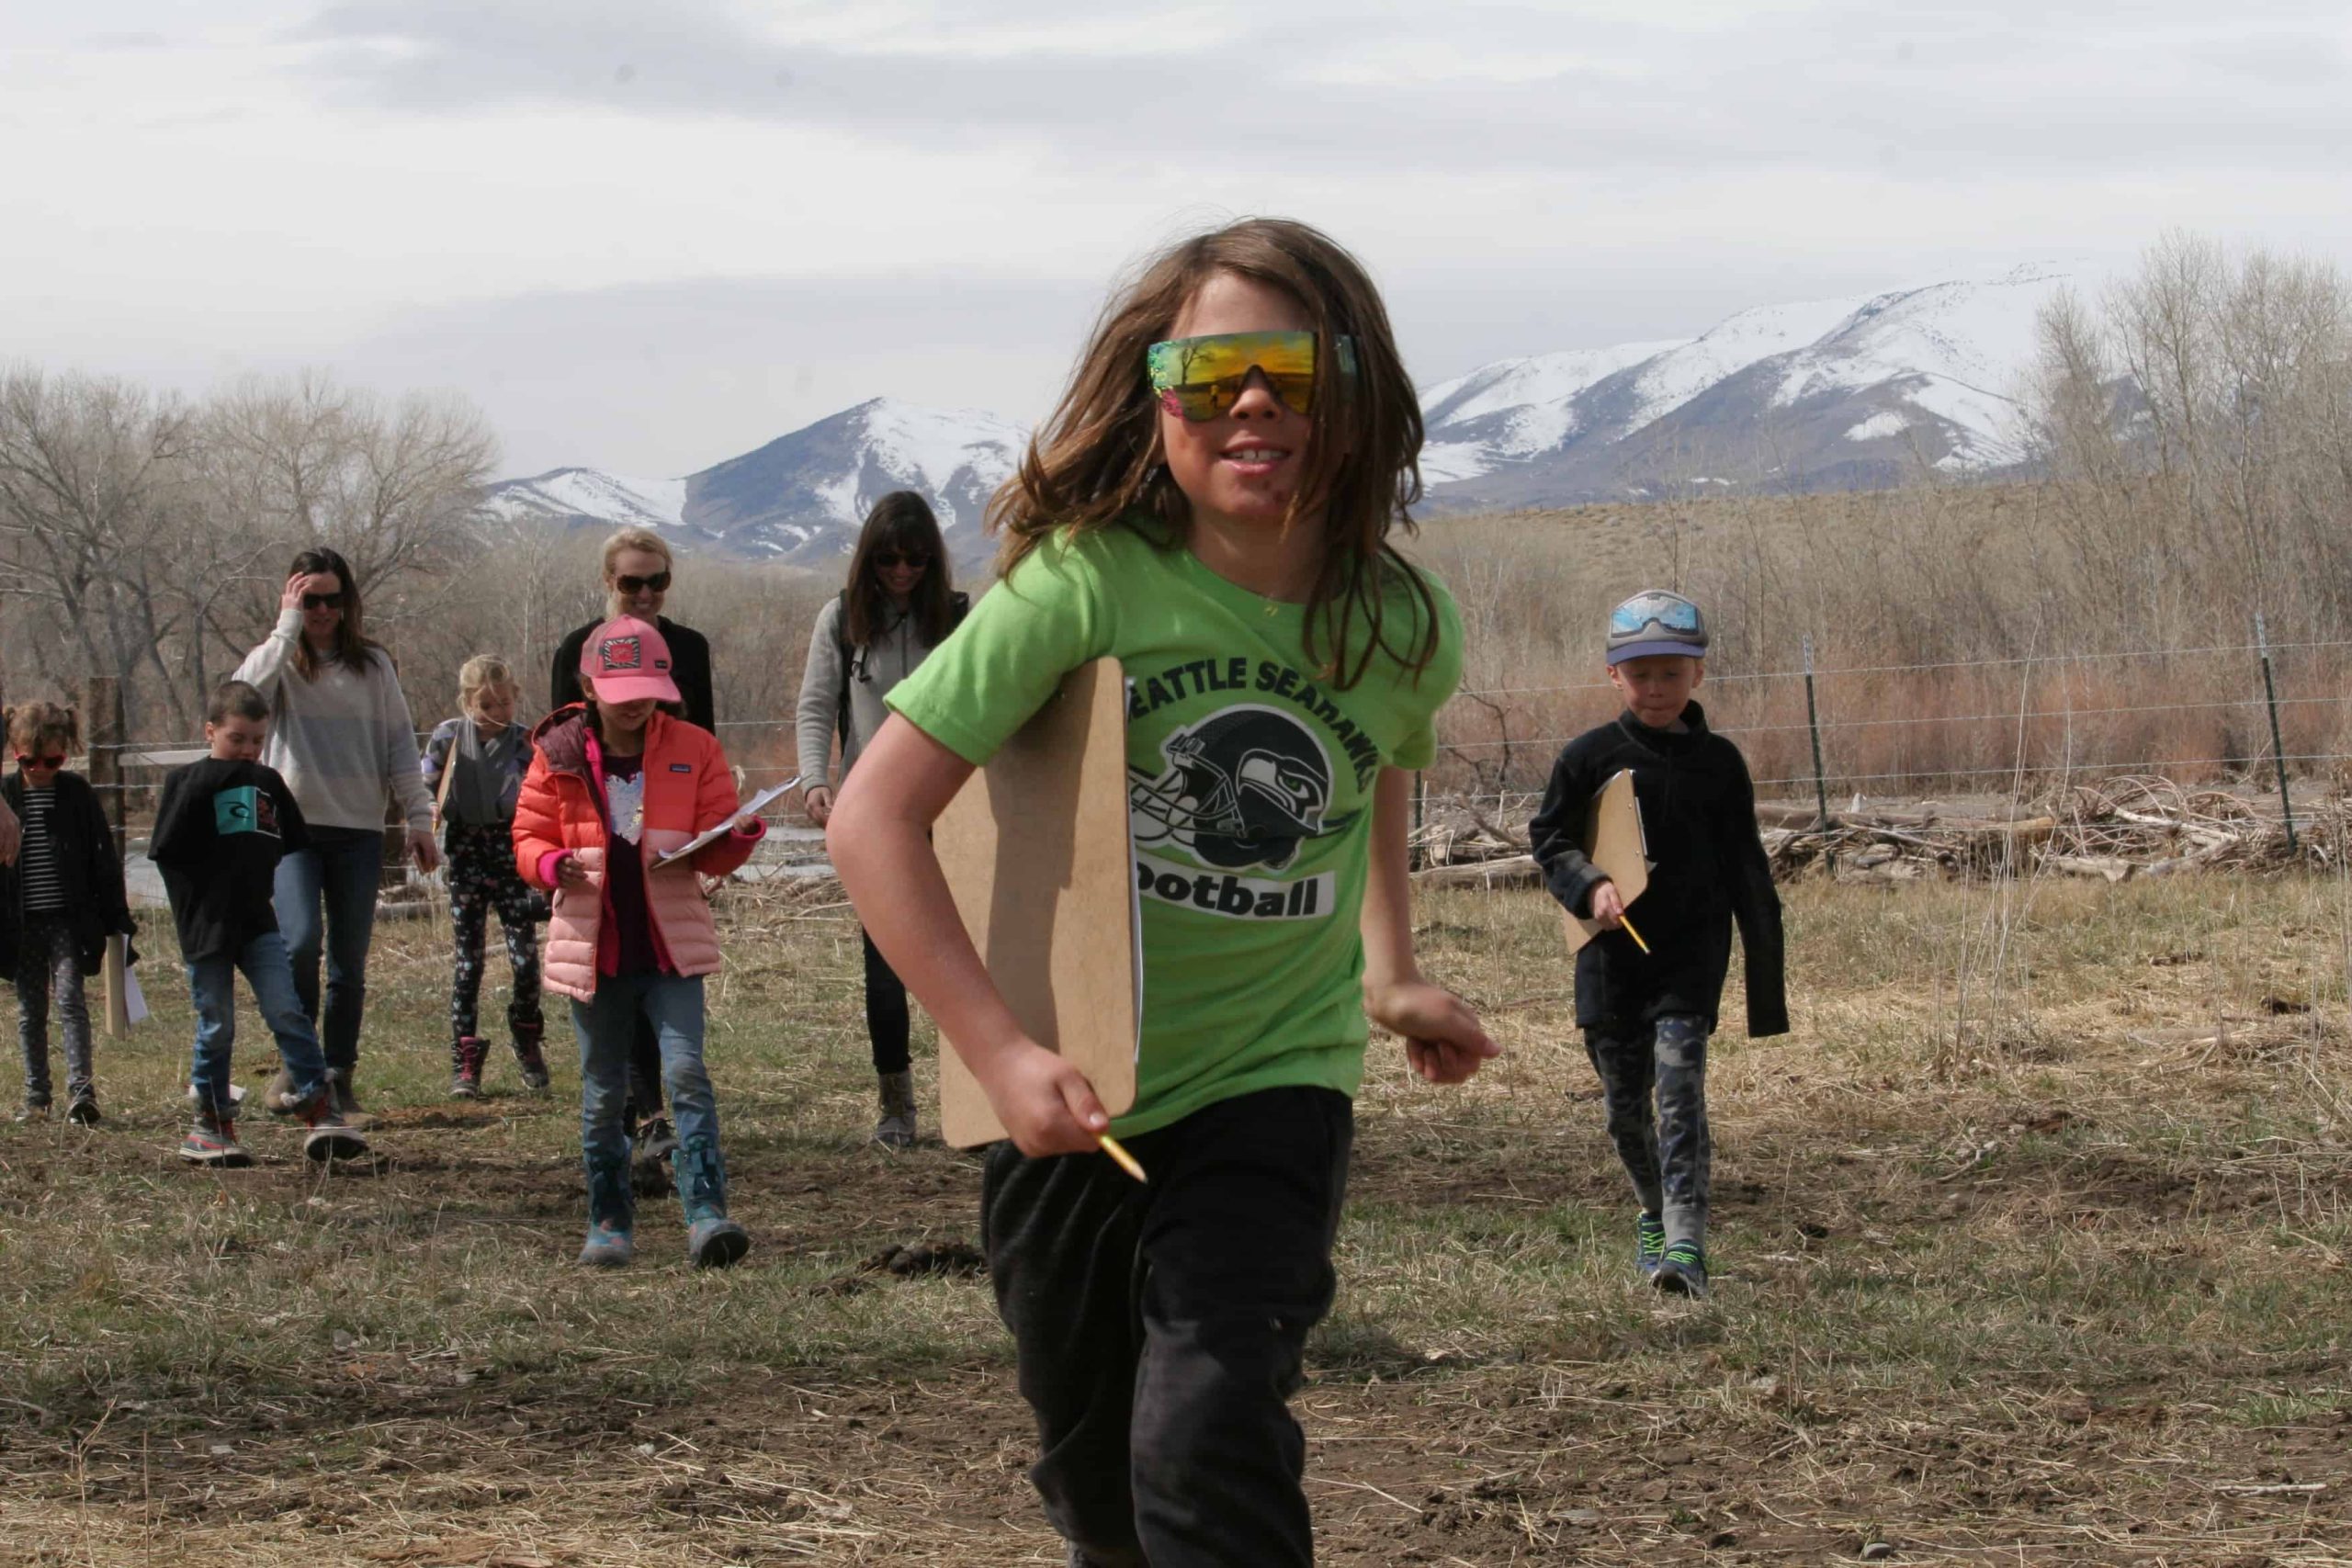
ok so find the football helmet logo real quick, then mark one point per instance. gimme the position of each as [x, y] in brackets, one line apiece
[1243, 788]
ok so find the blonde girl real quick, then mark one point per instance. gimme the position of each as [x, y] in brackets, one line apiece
[474, 764]
[1212, 504]
[59, 903]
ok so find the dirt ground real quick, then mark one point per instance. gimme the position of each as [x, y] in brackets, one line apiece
[2087, 1302]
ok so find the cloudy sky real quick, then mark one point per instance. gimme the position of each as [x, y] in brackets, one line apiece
[647, 236]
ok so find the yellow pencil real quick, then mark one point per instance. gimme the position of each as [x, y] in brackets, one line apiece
[1632, 932]
[1113, 1148]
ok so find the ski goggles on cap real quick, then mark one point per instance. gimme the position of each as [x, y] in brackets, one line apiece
[1201, 378]
[1656, 621]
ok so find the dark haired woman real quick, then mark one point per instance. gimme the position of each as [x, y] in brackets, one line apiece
[340, 732]
[898, 606]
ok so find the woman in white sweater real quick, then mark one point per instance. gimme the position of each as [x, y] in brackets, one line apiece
[898, 606]
[340, 732]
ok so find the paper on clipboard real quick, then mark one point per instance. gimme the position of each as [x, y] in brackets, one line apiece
[1614, 842]
[134, 1000]
[1037, 853]
[750, 808]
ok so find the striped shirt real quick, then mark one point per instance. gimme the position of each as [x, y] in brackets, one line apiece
[37, 856]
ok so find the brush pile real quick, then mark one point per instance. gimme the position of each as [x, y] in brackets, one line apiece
[2111, 829]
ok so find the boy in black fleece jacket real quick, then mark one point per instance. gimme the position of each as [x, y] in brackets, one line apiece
[1646, 1016]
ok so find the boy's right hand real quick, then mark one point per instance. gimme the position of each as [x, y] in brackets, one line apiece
[1608, 909]
[1046, 1105]
[817, 801]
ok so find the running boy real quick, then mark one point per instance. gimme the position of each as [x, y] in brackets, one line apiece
[220, 832]
[1213, 504]
[1646, 1016]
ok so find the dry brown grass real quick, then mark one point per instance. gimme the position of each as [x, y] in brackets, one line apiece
[2032, 1246]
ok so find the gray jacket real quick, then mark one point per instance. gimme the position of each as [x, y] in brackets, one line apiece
[868, 674]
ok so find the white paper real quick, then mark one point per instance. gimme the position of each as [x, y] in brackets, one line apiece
[134, 1000]
[753, 806]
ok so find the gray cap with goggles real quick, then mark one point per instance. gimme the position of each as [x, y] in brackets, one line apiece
[1657, 622]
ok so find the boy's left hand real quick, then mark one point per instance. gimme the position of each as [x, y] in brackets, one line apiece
[1443, 1042]
[427, 853]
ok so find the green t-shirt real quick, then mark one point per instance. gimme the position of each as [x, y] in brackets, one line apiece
[1249, 789]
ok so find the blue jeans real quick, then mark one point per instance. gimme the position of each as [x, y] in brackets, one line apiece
[212, 983]
[340, 870]
[672, 1005]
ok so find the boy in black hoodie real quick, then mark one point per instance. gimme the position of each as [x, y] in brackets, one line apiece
[1646, 1016]
[222, 827]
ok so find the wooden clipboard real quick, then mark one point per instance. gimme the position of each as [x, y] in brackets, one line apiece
[1615, 843]
[1037, 855]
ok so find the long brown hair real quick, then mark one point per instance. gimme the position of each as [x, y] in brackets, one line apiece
[1097, 459]
[351, 644]
[902, 522]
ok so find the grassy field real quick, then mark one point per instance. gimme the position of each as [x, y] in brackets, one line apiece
[2032, 1246]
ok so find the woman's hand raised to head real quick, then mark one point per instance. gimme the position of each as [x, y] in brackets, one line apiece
[303, 583]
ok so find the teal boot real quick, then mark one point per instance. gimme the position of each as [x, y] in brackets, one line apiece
[713, 1241]
[612, 1208]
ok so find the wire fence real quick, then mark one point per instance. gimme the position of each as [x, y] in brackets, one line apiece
[2251, 714]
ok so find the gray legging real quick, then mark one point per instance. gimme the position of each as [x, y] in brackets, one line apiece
[48, 967]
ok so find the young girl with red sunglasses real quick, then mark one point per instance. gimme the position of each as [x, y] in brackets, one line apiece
[1213, 504]
[59, 903]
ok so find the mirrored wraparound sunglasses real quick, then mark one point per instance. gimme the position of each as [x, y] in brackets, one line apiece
[1201, 378]
[1661, 609]
[659, 582]
[322, 601]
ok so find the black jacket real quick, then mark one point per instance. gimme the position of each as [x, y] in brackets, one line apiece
[220, 833]
[87, 869]
[689, 667]
[1707, 869]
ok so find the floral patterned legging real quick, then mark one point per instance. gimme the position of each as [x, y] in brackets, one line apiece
[481, 878]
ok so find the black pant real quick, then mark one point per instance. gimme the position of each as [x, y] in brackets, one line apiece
[1160, 1328]
[886, 1010]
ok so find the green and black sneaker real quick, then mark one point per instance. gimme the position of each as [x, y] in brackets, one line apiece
[1683, 1270]
[1649, 1243]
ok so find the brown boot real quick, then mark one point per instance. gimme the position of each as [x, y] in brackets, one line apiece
[896, 1130]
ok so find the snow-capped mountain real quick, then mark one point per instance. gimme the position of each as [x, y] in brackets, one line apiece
[1833, 394]
[801, 497]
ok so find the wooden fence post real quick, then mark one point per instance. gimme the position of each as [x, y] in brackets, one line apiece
[102, 725]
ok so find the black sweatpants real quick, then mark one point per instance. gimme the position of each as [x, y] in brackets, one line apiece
[1160, 1327]
[886, 1023]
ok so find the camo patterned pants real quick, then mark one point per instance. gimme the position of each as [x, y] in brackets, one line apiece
[481, 878]
[1667, 1150]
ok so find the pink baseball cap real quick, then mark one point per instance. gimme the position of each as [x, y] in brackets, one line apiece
[626, 658]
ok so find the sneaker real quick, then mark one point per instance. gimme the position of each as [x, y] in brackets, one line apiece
[608, 1247]
[533, 1063]
[466, 1058]
[1682, 1272]
[655, 1141]
[1649, 1243]
[280, 1097]
[33, 1110]
[212, 1141]
[83, 1112]
[717, 1242]
[330, 1136]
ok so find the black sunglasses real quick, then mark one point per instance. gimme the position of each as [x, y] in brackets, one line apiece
[322, 601]
[900, 557]
[659, 582]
